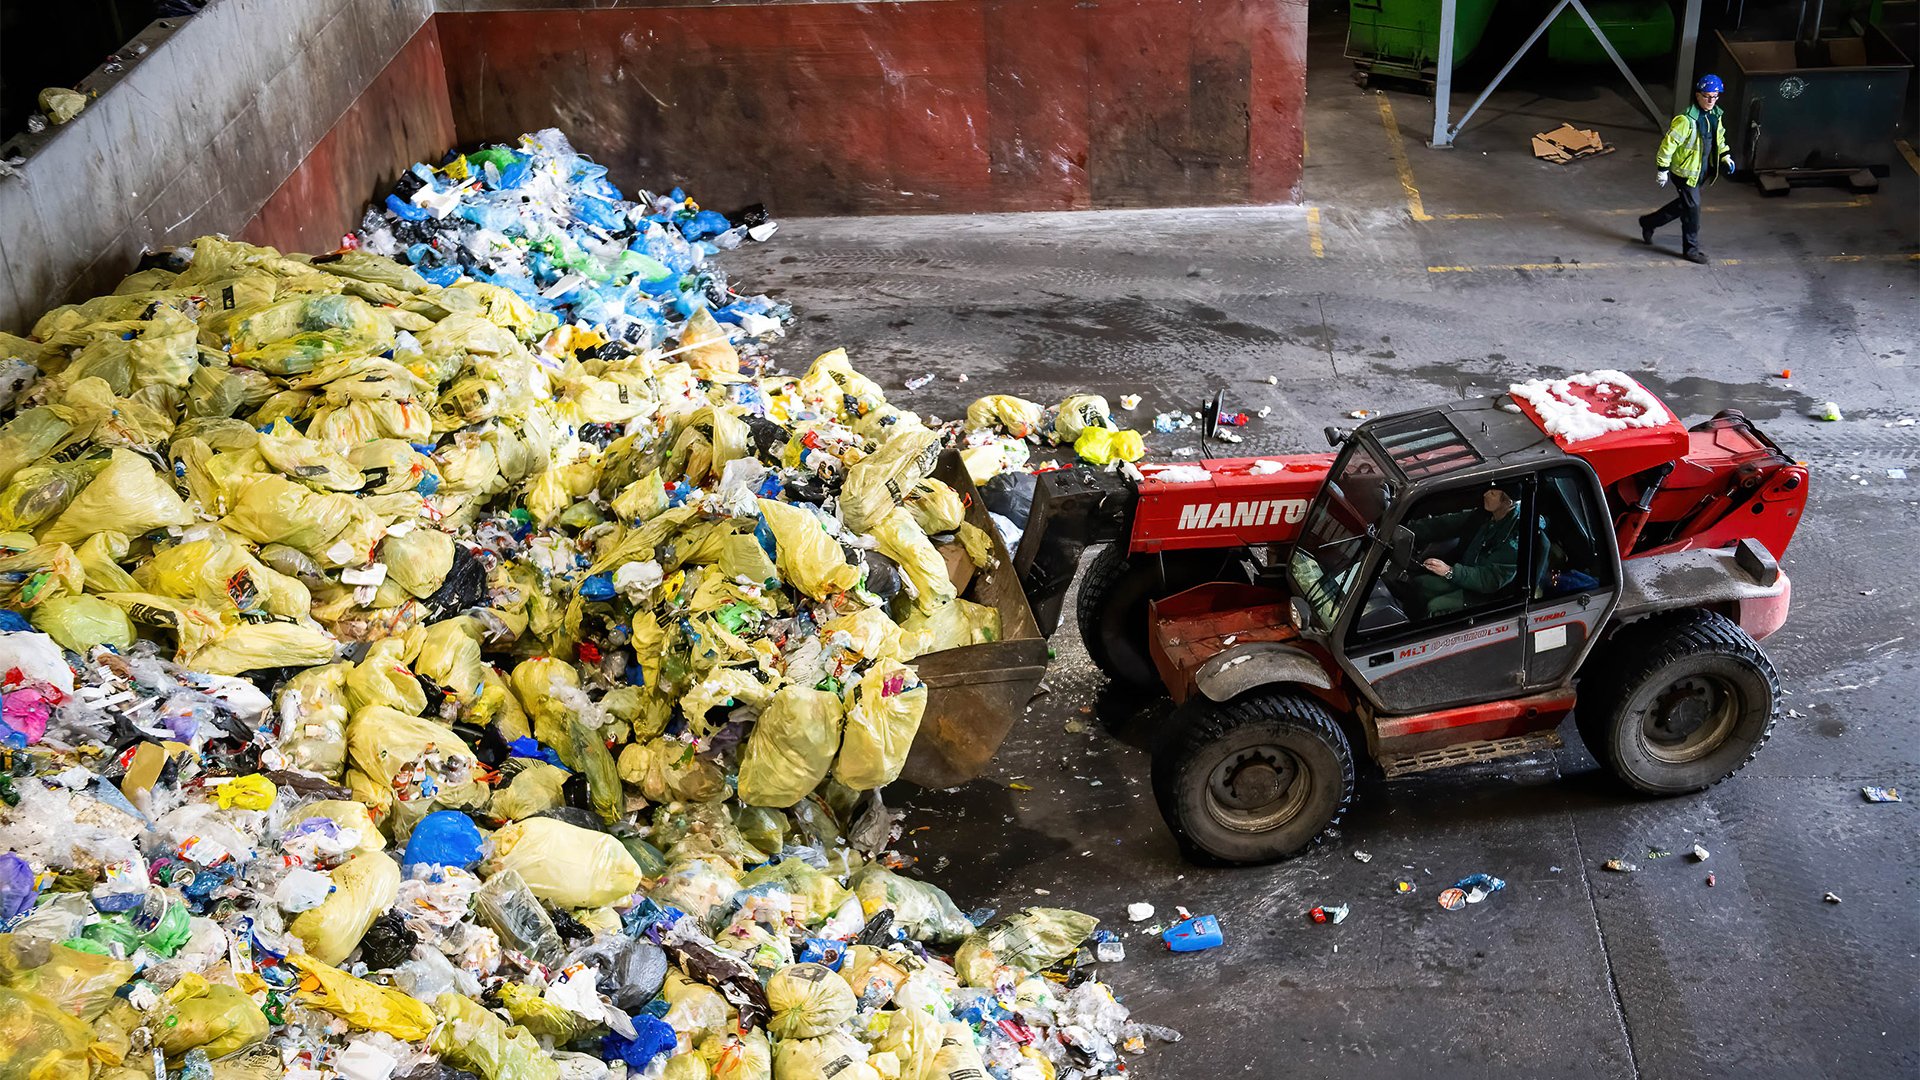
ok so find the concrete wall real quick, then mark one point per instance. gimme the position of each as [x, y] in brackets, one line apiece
[192, 138]
[929, 105]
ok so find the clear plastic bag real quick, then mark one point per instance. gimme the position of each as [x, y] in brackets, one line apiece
[922, 909]
[1027, 941]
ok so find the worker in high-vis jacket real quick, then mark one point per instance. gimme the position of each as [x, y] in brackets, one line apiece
[1693, 153]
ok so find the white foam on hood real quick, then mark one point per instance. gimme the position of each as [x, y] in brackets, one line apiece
[1568, 416]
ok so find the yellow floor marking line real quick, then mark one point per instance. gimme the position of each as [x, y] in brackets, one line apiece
[1891, 257]
[1314, 239]
[1400, 164]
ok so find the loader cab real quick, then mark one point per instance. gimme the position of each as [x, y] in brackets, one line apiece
[1455, 556]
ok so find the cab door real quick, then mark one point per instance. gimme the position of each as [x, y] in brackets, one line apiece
[1416, 644]
[1573, 574]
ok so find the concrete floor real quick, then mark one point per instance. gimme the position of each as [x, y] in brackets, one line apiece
[1411, 275]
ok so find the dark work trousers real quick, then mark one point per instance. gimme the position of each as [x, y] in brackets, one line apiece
[1686, 207]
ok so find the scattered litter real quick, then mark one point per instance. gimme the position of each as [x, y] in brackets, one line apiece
[1831, 898]
[919, 381]
[1880, 794]
[1828, 411]
[1896, 474]
[1453, 899]
[1171, 421]
[1359, 414]
[1566, 143]
[1194, 934]
[1130, 402]
[1657, 853]
[1479, 886]
[1335, 914]
[1710, 879]
[1362, 856]
[1698, 853]
[1403, 886]
[1139, 912]
[1620, 866]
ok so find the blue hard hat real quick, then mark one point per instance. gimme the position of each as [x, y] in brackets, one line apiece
[1708, 84]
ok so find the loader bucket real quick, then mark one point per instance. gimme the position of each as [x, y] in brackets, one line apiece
[975, 693]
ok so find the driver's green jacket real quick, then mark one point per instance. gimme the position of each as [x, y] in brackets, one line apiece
[1487, 562]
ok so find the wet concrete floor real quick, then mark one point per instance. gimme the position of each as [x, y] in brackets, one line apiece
[1393, 287]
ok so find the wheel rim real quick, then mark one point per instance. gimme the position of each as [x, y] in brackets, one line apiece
[1690, 719]
[1257, 789]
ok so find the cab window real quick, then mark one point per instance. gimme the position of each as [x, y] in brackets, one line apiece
[1570, 551]
[1470, 546]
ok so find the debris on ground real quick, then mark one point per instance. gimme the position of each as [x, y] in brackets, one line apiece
[1698, 853]
[1328, 913]
[1566, 143]
[1139, 912]
[1831, 898]
[465, 661]
[1403, 886]
[1362, 856]
[61, 104]
[1828, 410]
[1194, 934]
[1620, 866]
[1880, 794]
[1453, 899]
[1479, 886]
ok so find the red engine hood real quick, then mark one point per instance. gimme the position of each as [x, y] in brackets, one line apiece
[1238, 501]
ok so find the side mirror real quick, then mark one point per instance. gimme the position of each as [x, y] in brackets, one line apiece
[1401, 554]
[1210, 416]
[1337, 435]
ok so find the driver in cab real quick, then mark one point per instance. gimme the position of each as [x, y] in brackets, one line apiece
[1484, 562]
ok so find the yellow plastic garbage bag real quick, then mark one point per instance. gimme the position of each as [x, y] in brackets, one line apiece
[832, 385]
[38, 493]
[127, 497]
[695, 1010]
[39, 574]
[718, 689]
[697, 886]
[213, 1017]
[883, 716]
[100, 557]
[704, 346]
[81, 983]
[730, 1056]
[702, 830]
[791, 748]
[563, 864]
[689, 1066]
[990, 459]
[256, 646]
[667, 769]
[808, 1000]
[363, 1005]
[808, 558]
[382, 678]
[834, 1056]
[250, 792]
[297, 456]
[217, 572]
[345, 815]
[313, 713]
[880, 482]
[438, 767]
[936, 507]
[364, 887]
[1103, 446]
[450, 656]
[1016, 416]
[953, 626]
[1030, 940]
[913, 1037]
[1078, 413]
[41, 1041]
[474, 1039]
[418, 560]
[536, 787]
[902, 541]
[61, 104]
[814, 890]
[275, 510]
[30, 436]
[922, 909]
[532, 1011]
[958, 1058]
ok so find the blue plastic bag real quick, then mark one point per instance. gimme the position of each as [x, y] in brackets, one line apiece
[443, 838]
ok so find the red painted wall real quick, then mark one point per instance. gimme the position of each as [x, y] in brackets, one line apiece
[830, 108]
[402, 117]
[937, 105]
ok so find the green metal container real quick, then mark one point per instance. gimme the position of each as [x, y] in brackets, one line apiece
[1402, 37]
[1638, 29]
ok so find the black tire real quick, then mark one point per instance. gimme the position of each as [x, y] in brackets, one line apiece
[1678, 702]
[1203, 778]
[1114, 594]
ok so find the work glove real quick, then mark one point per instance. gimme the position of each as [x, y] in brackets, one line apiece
[1660, 178]
[1726, 165]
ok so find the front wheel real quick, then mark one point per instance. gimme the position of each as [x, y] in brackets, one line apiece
[1256, 780]
[1684, 702]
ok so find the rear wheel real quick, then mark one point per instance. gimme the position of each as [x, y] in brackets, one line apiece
[1683, 702]
[1114, 594]
[1255, 780]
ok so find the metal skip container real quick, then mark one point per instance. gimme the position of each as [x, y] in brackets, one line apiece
[1814, 110]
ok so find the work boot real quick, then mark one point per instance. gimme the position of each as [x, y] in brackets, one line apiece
[1695, 256]
[1646, 232]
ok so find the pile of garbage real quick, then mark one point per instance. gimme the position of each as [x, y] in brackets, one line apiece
[398, 681]
[545, 222]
